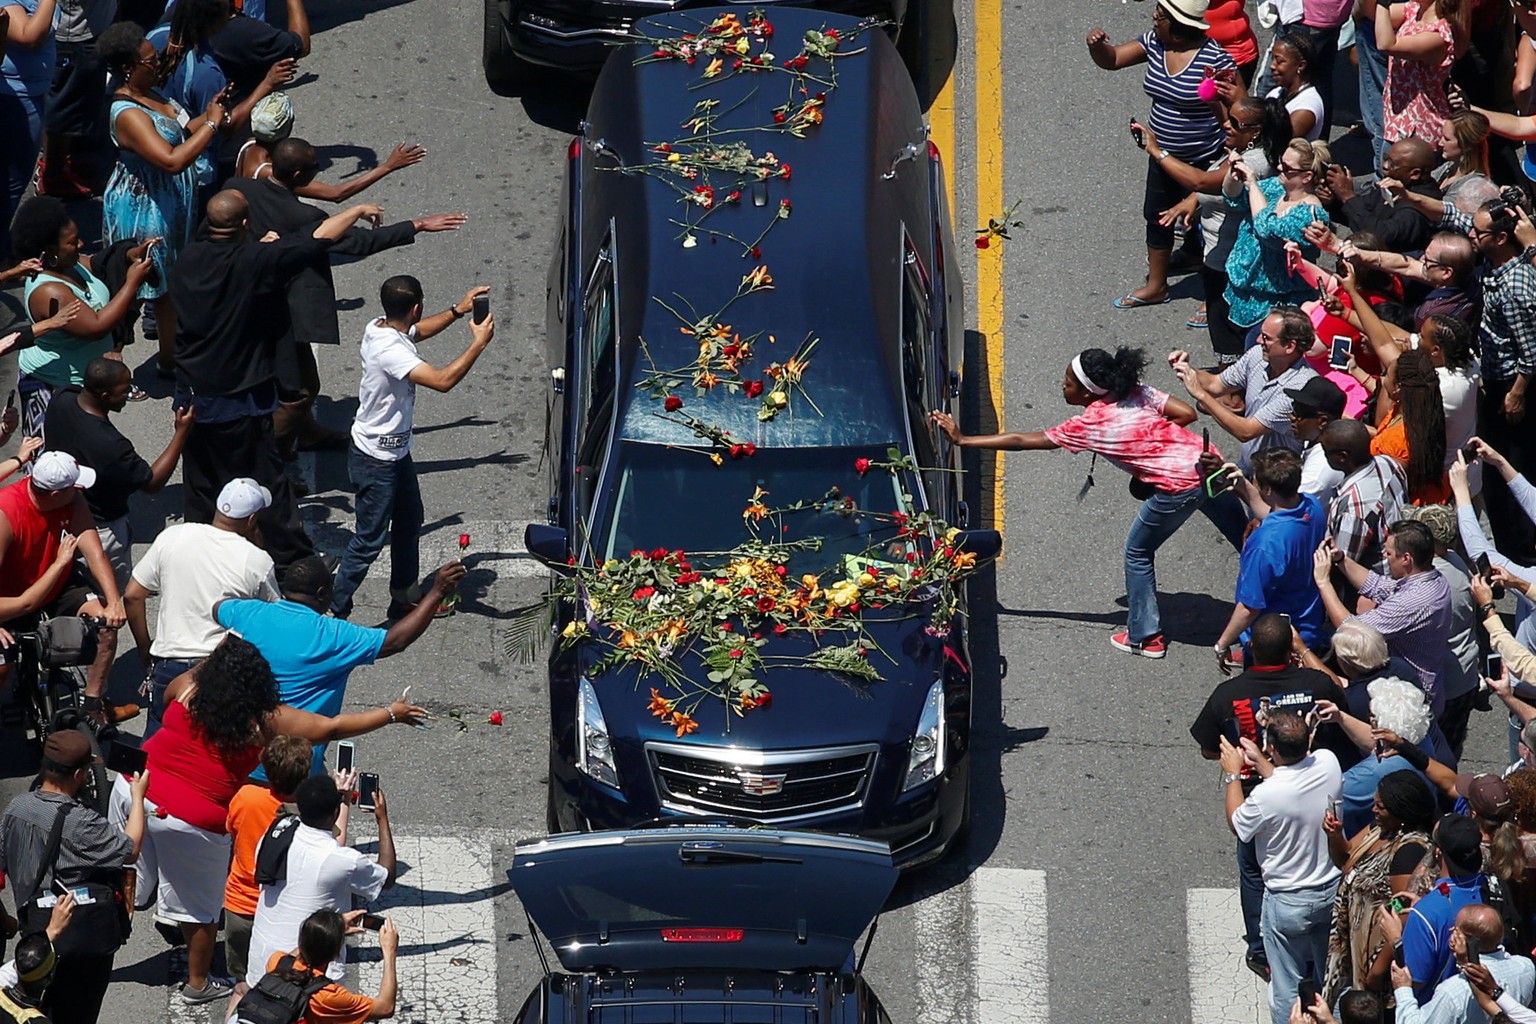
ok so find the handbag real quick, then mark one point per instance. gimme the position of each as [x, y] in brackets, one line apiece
[100, 922]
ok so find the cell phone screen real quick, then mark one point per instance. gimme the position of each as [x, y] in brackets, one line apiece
[373, 922]
[481, 307]
[125, 758]
[367, 786]
[1338, 352]
[1484, 567]
[1494, 667]
[345, 753]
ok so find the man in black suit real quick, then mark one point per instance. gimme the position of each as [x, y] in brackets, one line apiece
[275, 207]
[234, 321]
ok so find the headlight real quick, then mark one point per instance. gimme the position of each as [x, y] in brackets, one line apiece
[594, 753]
[926, 762]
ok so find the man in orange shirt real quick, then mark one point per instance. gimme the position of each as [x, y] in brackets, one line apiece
[254, 808]
[320, 939]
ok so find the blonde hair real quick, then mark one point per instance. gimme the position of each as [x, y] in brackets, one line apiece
[1314, 156]
[1399, 706]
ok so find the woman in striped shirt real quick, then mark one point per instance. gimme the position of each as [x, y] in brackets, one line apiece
[1178, 56]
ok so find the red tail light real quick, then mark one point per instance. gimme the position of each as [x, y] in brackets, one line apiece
[574, 149]
[933, 150]
[702, 934]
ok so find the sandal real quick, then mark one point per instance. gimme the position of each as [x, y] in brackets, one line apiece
[1132, 302]
[137, 394]
[1197, 322]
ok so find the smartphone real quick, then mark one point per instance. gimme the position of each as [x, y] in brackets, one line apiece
[1485, 570]
[1397, 904]
[1306, 991]
[1137, 135]
[1205, 438]
[1232, 729]
[1493, 665]
[372, 922]
[367, 785]
[1338, 352]
[125, 757]
[346, 753]
[1220, 482]
[481, 309]
[1333, 807]
[1474, 955]
[10, 399]
[1469, 453]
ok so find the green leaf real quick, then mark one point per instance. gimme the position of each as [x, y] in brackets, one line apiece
[527, 629]
[893, 454]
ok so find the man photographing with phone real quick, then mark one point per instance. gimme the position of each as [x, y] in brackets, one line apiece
[389, 507]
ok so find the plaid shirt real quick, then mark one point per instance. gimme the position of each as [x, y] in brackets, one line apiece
[1507, 331]
[89, 846]
[1414, 614]
[1367, 502]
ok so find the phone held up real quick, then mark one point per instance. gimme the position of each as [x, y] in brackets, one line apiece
[372, 922]
[1338, 352]
[346, 755]
[1221, 481]
[1493, 665]
[481, 308]
[125, 757]
[367, 786]
[1485, 570]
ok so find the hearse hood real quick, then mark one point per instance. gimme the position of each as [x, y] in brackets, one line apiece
[702, 897]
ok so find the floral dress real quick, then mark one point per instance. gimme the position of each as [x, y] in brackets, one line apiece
[1413, 100]
[143, 201]
[1257, 277]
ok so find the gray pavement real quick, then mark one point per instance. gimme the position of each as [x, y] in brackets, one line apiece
[1095, 817]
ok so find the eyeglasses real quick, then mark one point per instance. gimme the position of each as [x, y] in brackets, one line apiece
[1433, 263]
[1287, 169]
[1238, 126]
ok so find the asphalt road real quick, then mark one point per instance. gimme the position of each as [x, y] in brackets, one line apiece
[1094, 816]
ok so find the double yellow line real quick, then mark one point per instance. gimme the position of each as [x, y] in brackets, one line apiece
[987, 78]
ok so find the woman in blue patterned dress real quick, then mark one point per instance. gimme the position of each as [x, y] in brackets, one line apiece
[153, 188]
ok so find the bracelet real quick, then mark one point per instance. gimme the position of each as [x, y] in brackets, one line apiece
[390, 708]
[212, 125]
[455, 311]
[1486, 610]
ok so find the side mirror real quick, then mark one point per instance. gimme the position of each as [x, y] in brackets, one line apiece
[984, 544]
[549, 544]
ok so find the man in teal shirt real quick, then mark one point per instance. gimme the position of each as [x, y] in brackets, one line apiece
[312, 654]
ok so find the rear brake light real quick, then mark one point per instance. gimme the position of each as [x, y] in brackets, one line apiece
[573, 150]
[933, 150]
[702, 934]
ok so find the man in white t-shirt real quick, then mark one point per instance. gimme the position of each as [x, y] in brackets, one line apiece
[379, 459]
[1314, 405]
[1283, 818]
[194, 566]
[320, 873]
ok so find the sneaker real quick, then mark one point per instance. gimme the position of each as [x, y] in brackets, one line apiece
[214, 990]
[170, 931]
[400, 609]
[1152, 647]
[1258, 965]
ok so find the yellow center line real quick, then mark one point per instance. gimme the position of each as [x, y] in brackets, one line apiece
[987, 32]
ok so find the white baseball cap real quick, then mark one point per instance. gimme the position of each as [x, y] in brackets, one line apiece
[58, 471]
[243, 497]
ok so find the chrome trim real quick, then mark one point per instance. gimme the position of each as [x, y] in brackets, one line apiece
[575, 33]
[756, 760]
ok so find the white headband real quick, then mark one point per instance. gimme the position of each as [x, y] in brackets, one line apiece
[1082, 375]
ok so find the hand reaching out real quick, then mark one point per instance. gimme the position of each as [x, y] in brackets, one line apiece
[404, 155]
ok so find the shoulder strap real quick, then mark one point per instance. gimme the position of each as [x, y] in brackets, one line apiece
[317, 979]
[50, 855]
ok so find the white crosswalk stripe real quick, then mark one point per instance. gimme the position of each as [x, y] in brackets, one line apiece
[995, 926]
[1220, 985]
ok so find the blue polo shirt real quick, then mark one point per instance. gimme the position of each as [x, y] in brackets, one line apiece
[1275, 571]
[1360, 785]
[1427, 932]
[311, 654]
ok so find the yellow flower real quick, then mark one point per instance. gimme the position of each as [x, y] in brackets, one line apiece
[594, 604]
[742, 46]
[843, 593]
[673, 158]
[755, 511]
[950, 535]
[866, 580]
[964, 559]
[574, 628]
[628, 638]
[742, 569]
[811, 583]
[716, 459]
[714, 68]
[892, 583]
[778, 399]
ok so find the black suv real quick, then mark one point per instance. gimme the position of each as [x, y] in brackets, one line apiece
[523, 36]
[835, 199]
[702, 923]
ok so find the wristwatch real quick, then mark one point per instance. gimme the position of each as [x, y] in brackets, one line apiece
[454, 309]
[1486, 610]
[1227, 778]
[1496, 994]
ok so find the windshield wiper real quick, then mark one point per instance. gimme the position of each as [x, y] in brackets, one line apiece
[696, 853]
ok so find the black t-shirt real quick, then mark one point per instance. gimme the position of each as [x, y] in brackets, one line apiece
[246, 47]
[1234, 704]
[96, 443]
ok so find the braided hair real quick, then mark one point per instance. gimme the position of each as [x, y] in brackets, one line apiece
[1423, 412]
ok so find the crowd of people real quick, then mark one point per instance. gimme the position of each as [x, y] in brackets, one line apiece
[174, 117]
[1372, 339]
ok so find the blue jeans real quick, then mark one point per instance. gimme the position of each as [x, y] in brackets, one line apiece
[160, 676]
[388, 510]
[1295, 926]
[1250, 891]
[1373, 79]
[1159, 518]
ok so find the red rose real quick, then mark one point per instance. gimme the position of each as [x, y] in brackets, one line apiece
[738, 450]
[831, 33]
[736, 652]
[853, 609]
[643, 593]
[782, 570]
[736, 64]
[754, 388]
[983, 242]
[821, 96]
[873, 571]
[778, 117]
[673, 403]
[748, 592]
[730, 350]
[463, 541]
[780, 629]
[861, 466]
[750, 449]
[784, 204]
[725, 627]
[765, 604]
[688, 577]
[637, 553]
[765, 700]
[495, 718]
[658, 554]
[784, 172]
[756, 252]
[734, 197]
[662, 148]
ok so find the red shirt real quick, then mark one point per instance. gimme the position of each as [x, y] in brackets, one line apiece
[1133, 435]
[1231, 31]
[188, 777]
[34, 540]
